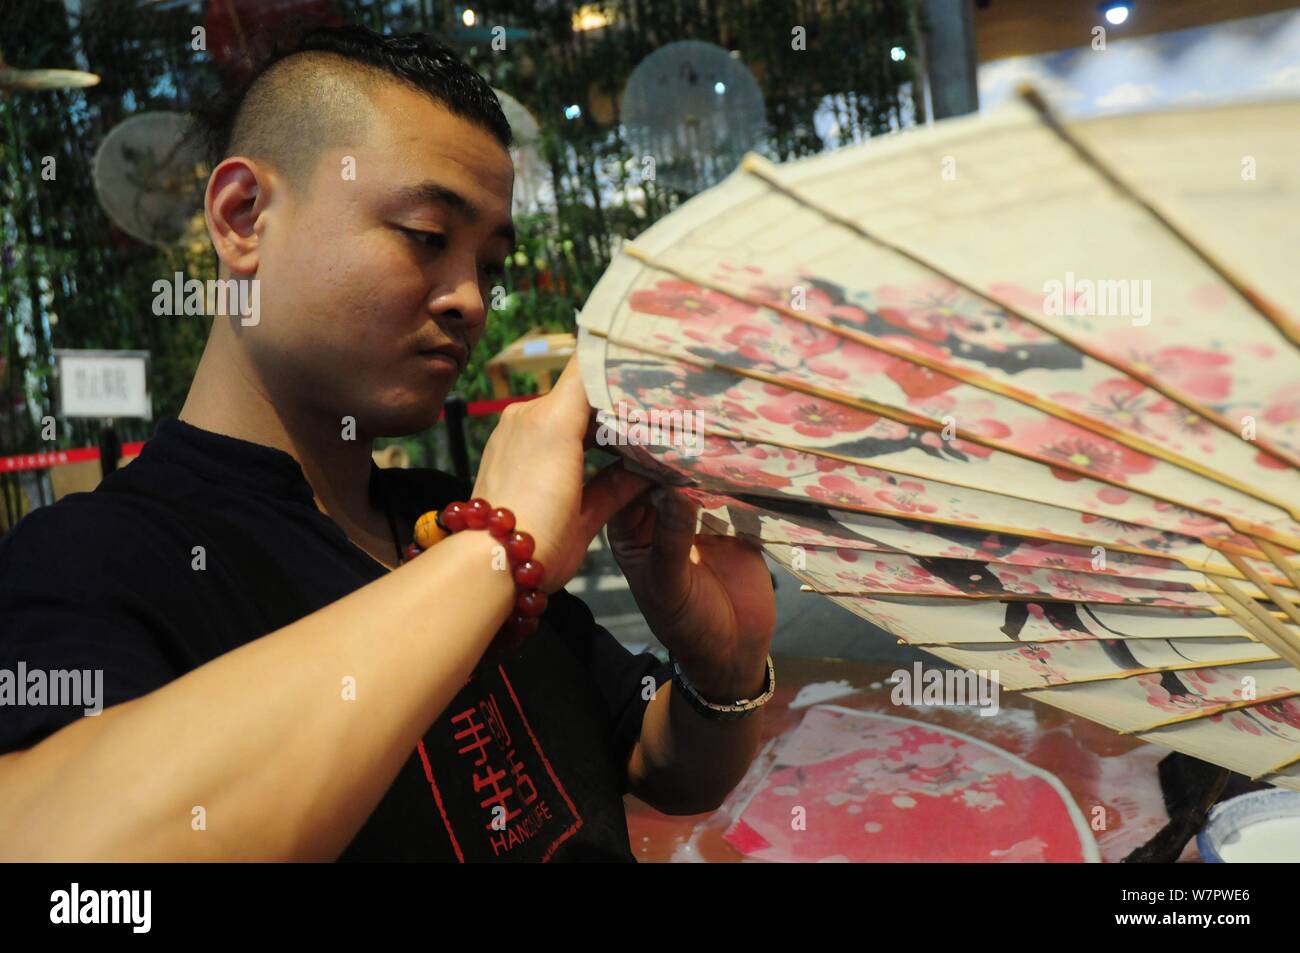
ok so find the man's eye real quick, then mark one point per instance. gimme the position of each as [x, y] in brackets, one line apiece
[494, 269]
[428, 239]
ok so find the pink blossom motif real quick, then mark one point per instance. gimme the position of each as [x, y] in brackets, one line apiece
[812, 416]
[1120, 401]
[746, 469]
[1077, 587]
[812, 299]
[907, 497]
[894, 577]
[918, 381]
[1061, 442]
[784, 345]
[671, 298]
[1196, 372]
[933, 310]
[1184, 424]
[819, 304]
[1189, 518]
[733, 411]
[1159, 697]
[936, 441]
[987, 427]
[1039, 659]
[1209, 296]
[1283, 406]
[1263, 718]
[835, 490]
[1113, 495]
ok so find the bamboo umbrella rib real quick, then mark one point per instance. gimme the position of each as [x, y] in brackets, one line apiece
[1135, 672]
[1283, 602]
[1266, 309]
[1243, 637]
[1279, 559]
[1231, 608]
[991, 596]
[1273, 633]
[1257, 593]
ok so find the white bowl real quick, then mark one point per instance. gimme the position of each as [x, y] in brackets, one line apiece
[1259, 827]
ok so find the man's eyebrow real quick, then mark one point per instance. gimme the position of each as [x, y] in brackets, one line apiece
[432, 193]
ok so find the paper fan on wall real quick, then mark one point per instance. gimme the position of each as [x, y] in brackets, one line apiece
[695, 110]
[1016, 391]
[533, 190]
[149, 176]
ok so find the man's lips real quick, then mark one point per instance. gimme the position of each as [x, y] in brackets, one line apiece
[456, 352]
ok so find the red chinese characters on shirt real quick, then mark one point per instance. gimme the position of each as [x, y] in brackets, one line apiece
[517, 808]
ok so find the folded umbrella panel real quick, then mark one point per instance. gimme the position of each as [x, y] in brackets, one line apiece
[831, 570]
[925, 622]
[801, 528]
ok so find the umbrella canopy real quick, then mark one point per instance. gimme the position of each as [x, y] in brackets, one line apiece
[1020, 392]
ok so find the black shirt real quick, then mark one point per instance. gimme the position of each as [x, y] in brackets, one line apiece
[107, 580]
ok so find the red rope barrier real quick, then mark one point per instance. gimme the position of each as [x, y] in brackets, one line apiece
[57, 458]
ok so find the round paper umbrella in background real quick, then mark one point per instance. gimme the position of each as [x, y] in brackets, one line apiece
[533, 190]
[695, 110]
[1017, 391]
[149, 176]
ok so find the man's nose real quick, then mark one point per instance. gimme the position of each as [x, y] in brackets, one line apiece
[460, 298]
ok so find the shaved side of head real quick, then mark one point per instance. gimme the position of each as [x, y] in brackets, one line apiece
[302, 106]
[320, 95]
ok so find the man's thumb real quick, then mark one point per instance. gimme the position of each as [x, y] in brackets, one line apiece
[676, 520]
[605, 494]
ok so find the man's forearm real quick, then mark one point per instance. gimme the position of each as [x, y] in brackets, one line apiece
[685, 763]
[262, 738]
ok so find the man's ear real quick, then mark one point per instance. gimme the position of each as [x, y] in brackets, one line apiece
[238, 193]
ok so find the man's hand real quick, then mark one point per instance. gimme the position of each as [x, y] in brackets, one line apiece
[708, 599]
[533, 464]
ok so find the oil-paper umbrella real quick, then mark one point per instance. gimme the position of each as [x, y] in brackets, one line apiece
[1019, 391]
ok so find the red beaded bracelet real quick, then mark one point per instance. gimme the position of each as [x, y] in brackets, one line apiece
[436, 525]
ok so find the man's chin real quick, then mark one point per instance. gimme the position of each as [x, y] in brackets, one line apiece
[406, 419]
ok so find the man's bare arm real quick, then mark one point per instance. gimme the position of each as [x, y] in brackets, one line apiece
[684, 763]
[262, 738]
